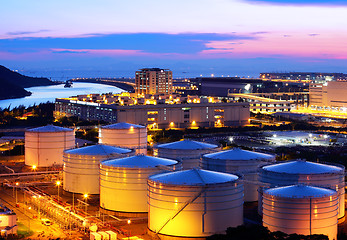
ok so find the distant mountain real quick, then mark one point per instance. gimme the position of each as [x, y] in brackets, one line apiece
[12, 84]
[21, 80]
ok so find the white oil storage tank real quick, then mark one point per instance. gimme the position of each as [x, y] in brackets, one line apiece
[239, 161]
[125, 135]
[81, 167]
[186, 151]
[123, 182]
[301, 209]
[44, 146]
[194, 203]
[309, 173]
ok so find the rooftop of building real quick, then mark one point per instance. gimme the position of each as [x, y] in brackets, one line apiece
[133, 99]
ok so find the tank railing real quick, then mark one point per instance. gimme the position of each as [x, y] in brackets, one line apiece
[166, 168]
[183, 207]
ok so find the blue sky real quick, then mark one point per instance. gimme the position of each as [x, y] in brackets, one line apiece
[223, 37]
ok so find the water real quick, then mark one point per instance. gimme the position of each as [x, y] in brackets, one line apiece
[50, 93]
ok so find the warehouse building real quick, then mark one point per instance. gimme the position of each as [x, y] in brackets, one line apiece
[157, 112]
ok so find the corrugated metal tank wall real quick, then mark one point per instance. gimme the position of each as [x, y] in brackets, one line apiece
[81, 167]
[125, 135]
[310, 173]
[123, 182]
[239, 162]
[44, 146]
[187, 151]
[194, 209]
[303, 210]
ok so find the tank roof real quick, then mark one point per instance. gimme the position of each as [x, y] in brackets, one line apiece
[122, 125]
[139, 161]
[300, 191]
[187, 145]
[239, 154]
[193, 177]
[50, 128]
[98, 149]
[302, 167]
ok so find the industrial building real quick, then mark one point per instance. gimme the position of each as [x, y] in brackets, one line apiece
[331, 94]
[156, 111]
[262, 104]
[302, 76]
[44, 146]
[153, 80]
[194, 203]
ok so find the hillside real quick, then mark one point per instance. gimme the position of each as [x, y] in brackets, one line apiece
[9, 90]
[21, 80]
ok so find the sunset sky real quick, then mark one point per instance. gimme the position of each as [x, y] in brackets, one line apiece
[191, 37]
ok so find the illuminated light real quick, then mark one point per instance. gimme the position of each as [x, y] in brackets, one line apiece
[85, 195]
[58, 183]
[194, 122]
[171, 123]
[33, 167]
[274, 135]
[231, 139]
[17, 183]
[129, 221]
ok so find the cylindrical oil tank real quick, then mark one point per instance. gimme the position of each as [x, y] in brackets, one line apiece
[301, 209]
[310, 173]
[186, 151]
[44, 146]
[125, 135]
[239, 161]
[123, 182]
[81, 167]
[194, 203]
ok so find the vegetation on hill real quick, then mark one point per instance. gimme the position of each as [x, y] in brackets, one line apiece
[9, 90]
[13, 84]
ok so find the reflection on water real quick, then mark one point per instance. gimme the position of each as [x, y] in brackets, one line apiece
[49, 93]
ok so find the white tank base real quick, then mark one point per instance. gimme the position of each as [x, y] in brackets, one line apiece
[124, 214]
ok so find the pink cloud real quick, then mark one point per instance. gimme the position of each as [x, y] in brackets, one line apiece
[328, 46]
[98, 51]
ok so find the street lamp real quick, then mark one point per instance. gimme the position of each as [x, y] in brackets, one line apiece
[34, 167]
[85, 196]
[58, 184]
[17, 184]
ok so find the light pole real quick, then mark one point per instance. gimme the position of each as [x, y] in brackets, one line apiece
[58, 184]
[85, 196]
[17, 183]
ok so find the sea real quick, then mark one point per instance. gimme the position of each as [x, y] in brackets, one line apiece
[45, 94]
